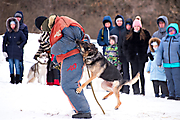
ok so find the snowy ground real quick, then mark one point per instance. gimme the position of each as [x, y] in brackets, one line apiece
[40, 102]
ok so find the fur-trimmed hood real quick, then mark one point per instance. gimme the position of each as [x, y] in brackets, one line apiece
[16, 29]
[155, 39]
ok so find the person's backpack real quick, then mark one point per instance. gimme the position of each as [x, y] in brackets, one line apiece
[102, 34]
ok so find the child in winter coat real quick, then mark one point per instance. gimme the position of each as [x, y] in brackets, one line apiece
[111, 52]
[13, 43]
[157, 74]
[169, 52]
[103, 36]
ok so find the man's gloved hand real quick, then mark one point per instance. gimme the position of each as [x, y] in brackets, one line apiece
[5, 54]
[55, 65]
[150, 56]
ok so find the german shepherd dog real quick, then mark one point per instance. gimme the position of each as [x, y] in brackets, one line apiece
[100, 67]
[39, 69]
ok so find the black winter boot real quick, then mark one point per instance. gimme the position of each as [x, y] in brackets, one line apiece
[12, 78]
[17, 78]
[82, 115]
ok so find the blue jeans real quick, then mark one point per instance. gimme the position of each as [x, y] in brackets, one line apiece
[21, 69]
[11, 66]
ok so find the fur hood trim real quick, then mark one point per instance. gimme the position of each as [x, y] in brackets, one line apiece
[155, 39]
[16, 29]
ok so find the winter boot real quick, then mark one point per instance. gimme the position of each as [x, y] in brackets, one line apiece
[17, 78]
[12, 78]
[82, 115]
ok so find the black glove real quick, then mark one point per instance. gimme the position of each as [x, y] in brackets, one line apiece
[150, 56]
[54, 65]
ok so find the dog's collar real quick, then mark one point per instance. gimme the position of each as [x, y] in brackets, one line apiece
[90, 59]
[42, 63]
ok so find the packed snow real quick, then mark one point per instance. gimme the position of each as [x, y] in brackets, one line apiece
[42, 102]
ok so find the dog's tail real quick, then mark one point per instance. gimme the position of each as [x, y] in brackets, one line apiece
[134, 80]
[128, 82]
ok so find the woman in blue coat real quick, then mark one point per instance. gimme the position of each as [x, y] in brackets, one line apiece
[157, 74]
[169, 52]
[13, 43]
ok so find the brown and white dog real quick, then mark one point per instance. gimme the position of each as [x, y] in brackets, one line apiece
[39, 69]
[100, 67]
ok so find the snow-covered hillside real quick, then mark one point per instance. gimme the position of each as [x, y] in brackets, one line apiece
[42, 102]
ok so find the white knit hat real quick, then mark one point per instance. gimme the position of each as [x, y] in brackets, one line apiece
[154, 43]
[12, 22]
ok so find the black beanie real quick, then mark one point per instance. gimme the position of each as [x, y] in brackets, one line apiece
[39, 20]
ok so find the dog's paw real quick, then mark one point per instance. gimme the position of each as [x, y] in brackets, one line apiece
[78, 90]
[117, 106]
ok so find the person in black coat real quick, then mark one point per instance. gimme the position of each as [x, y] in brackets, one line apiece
[22, 27]
[128, 25]
[53, 74]
[120, 31]
[135, 49]
[13, 43]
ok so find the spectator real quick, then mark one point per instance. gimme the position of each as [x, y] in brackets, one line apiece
[128, 25]
[120, 31]
[53, 75]
[103, 36]
[135, 50]
[13, 43]
[157, 74]
[169, 52]
[111, 54]
[162, 23]
[22, 27]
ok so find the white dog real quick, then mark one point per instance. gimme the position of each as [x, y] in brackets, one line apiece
[39, 69]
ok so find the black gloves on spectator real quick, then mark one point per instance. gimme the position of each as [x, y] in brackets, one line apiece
[150, 56]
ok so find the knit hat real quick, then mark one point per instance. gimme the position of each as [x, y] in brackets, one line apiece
[137, 23]
[138, 18]
[118, 19]
[114, 37]
[12, 22]
[18, 15]
[39, 20]
[154, 43]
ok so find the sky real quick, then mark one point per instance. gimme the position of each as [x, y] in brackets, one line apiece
[42, 102]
